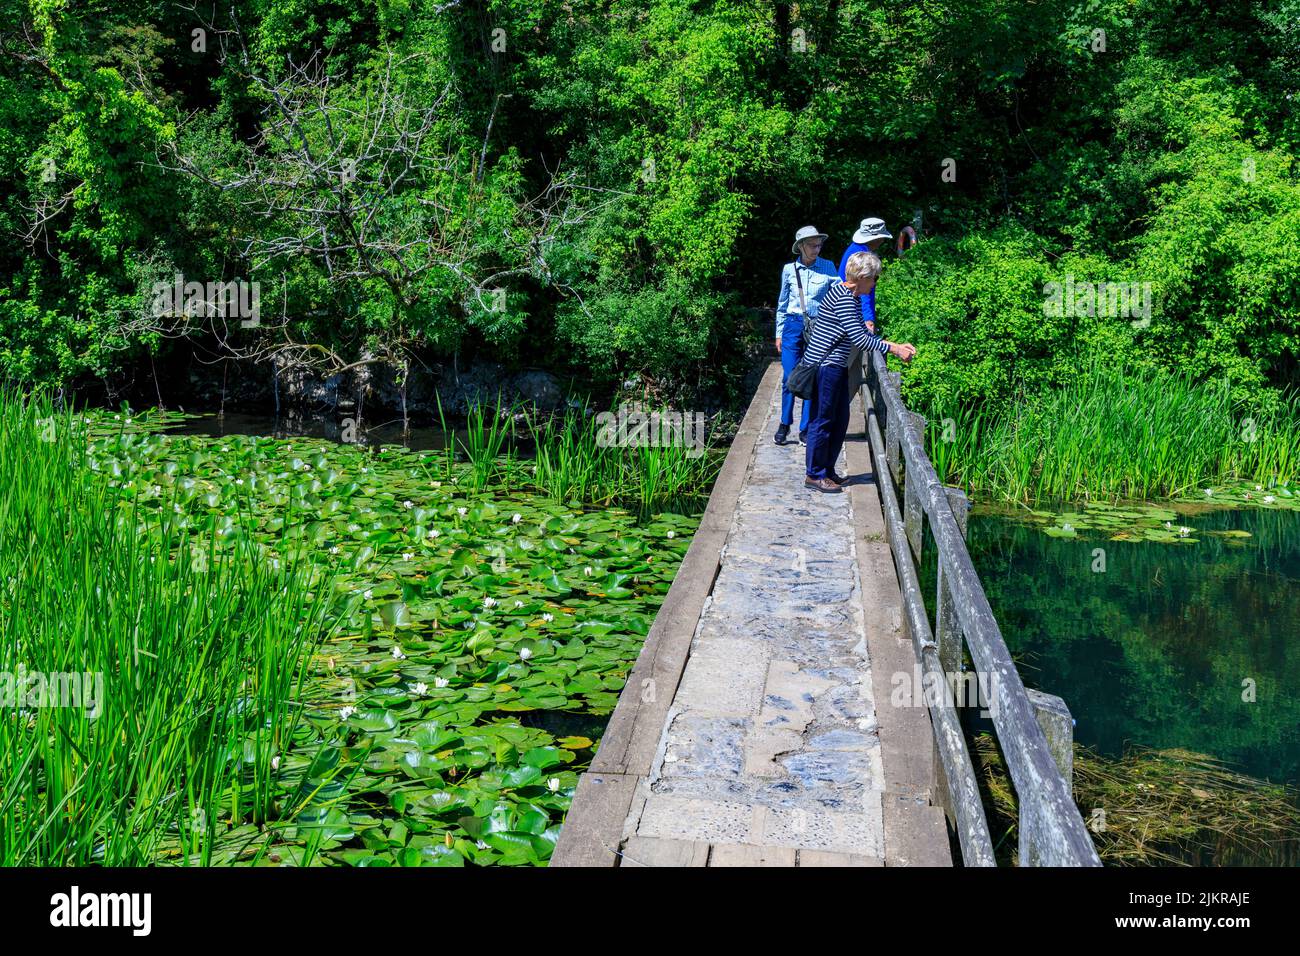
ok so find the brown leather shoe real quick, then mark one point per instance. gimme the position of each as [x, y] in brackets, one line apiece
[821, 484]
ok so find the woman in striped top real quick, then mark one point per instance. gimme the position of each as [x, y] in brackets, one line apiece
[839, 328]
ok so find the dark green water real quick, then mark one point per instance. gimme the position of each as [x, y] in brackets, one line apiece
[1166, 646]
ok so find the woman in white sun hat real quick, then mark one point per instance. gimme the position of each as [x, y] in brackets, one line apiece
[804, 282]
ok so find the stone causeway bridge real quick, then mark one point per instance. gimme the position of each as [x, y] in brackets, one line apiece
[778, 714]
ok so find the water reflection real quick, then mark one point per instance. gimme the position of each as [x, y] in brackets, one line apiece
[293, 425]
[1187, 645]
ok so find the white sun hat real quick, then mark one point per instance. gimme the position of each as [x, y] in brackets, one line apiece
[870, 229]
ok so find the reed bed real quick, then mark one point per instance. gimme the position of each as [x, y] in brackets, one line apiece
[1117, 433]
[569, 463]
[188, 653]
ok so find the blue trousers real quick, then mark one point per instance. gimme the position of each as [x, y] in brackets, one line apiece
[830, 421]
[792, 344]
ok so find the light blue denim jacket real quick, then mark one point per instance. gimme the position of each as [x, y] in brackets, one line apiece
[817, 280]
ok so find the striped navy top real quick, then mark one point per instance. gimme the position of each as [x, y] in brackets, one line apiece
[839, 328]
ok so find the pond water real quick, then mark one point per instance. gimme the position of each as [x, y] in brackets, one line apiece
[1187, 644]
[293, 425]
[1158, 644]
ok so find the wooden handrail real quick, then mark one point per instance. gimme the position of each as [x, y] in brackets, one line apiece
[1052, 833]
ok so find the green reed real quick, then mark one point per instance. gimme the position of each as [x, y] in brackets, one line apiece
[487, 432]
[197, 651]
[1117, 433]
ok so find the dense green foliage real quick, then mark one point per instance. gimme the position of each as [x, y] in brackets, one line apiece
[1144, 141]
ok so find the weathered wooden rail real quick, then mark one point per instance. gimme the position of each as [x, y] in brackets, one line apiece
[1034, 730]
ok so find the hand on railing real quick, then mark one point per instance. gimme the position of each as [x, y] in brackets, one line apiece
[906, 351]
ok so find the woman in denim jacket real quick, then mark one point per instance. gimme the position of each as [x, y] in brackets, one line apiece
[804, 283]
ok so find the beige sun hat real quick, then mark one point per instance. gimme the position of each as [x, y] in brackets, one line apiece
[807, 232]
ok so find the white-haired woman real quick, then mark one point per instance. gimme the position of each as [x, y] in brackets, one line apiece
[839, 328]
[804, 283]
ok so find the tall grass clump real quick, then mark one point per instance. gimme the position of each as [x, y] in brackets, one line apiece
[1117, 433]
[571, 464]
[147, 675]
[487, 434]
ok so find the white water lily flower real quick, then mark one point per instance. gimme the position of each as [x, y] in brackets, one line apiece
[516, 518]
[553, 784]
[434, 532]
[1169, 524]
[436, 484]
[407, 555]
[354, 528]
[1269, 499]
[346, 712]
[525, 653]
[480, 844]
[440, 682]
[365, 471]
[1184, 531]
[587, 570]
[420, 689]
[334, 550]
[489, 602]
[1259, 487]
[239, 481]
[1208, 491]
[519, 604]
[462, 511]
[275, 762]
[1067, 527]
[548, 617]
[368, 594]
[408, 505]
[672, 534]
[397, 654]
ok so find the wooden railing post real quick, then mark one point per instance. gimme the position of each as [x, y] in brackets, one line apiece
[894, 436]
[947, 632]
[1058, 727]
[947, 629]
[913, 507]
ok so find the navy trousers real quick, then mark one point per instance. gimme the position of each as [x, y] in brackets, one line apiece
[829, 421]
[792, 344]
